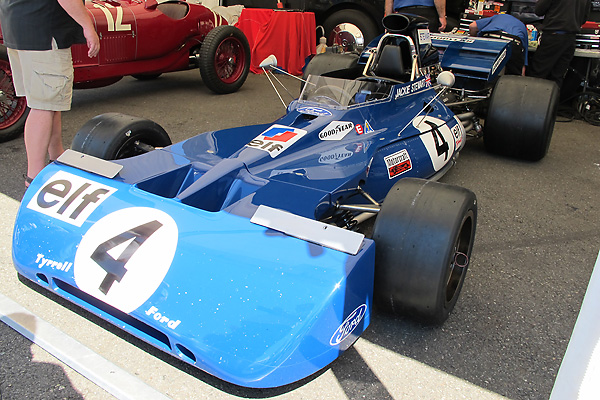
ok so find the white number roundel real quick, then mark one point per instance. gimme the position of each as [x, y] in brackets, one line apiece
[437, 138]
[125, 256]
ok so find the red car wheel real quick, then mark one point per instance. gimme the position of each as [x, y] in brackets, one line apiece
[13, 109]
[225, 59]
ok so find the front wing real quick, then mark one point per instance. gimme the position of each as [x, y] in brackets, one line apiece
[247, 304]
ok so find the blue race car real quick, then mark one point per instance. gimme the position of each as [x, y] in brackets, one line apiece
[240, 251]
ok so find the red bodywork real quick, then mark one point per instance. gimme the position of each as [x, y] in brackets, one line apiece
[141, 37]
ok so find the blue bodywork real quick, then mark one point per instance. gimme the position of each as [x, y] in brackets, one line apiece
[166, 249]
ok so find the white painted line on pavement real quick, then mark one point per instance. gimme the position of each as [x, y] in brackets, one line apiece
[580, 368]
[97, 369]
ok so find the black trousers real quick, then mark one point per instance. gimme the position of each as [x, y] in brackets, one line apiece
[430, 13]
[553, 56]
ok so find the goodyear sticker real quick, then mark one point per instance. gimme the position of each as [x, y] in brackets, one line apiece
[336, 130]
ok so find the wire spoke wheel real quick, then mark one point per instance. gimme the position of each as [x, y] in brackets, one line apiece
[13, 109]
[229, 60]
[224, 59]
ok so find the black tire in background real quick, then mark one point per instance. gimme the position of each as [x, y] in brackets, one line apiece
[521, 116]
[146, 77]
[361, 20]
[424, 236]
[13, 109]
[114, 136]
[224, 59]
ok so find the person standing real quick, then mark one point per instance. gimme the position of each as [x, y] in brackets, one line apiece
[38, 35]
[508, 27]
[562, 21]
[433, 10]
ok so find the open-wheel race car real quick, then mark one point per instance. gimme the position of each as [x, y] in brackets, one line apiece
[241, 251]
[144, 38]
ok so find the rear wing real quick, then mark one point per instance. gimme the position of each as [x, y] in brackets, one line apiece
[475, 61]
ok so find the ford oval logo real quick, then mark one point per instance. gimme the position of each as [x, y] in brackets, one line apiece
[348, 326]
[316, 111]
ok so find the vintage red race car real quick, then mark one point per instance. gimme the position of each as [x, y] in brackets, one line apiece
[144, 38]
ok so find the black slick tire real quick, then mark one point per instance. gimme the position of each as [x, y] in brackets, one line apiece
[424, 236]
[521, 116]
[114, 136]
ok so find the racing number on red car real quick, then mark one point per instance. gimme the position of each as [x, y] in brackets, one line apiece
[113, 26]
[115, 266]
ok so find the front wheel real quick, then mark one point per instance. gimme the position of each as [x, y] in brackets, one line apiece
[13, 109]
[424, 236]
[224, 59]
[114, 136]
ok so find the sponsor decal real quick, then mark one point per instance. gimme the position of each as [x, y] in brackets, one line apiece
[349, 325]
[498, 61]
[276, 139]
[398, 163]
[69, 198]
[162, 319]
[459, 133]
[123, 258]
[447, 38]
[359, 129]
[335, 156]
[424, 36]
[336, 130]
[368, 128]
[316, 111]
[42, 262]
[410, 88]
[438, 139]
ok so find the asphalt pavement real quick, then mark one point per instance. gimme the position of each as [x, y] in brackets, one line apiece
[538, 237]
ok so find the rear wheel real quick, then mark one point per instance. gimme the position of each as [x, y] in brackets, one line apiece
[224, 59]
[424, 236]
[113, 136]
[13, 109]
[521, 116]
[346, 26]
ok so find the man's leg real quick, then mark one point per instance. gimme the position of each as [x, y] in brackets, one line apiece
[55, 146]
[38, 131]
[562, 64]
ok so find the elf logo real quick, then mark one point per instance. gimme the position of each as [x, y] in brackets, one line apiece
[69, 198]
[276, 139]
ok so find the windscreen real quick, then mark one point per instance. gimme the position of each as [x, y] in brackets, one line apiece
[343, 93]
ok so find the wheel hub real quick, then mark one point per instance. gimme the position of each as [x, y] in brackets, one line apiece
[348, 37]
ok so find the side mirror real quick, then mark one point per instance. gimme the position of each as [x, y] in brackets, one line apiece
[446, 79]
[269, 62]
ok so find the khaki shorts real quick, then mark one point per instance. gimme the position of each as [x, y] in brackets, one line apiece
[45, 78]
